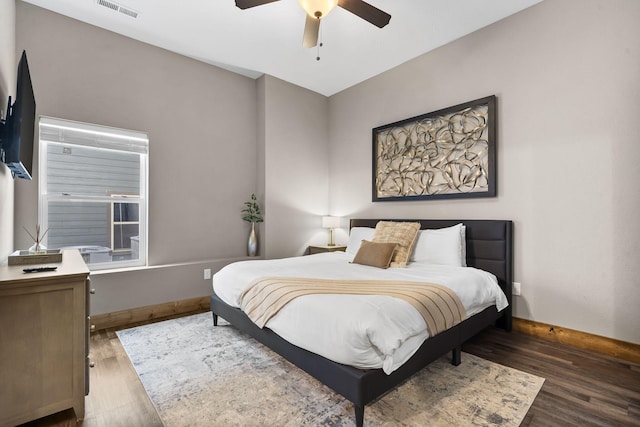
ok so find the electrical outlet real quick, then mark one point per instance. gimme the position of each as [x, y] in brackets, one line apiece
[207, 273]
[516, 290]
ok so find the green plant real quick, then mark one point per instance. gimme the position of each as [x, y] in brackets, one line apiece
[251, 212]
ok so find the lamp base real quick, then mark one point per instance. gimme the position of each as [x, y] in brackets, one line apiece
[331, 243]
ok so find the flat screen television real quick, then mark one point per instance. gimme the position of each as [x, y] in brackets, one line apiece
[17, 131]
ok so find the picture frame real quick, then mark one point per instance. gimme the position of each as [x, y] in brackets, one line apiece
[448, 153]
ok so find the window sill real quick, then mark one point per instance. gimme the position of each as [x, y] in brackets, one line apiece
[178, 264]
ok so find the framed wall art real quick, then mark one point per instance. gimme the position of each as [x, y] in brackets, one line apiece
[449, 153]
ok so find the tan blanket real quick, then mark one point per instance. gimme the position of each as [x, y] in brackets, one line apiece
[439, 306]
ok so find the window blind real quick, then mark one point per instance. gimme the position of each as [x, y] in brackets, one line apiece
[90, 135]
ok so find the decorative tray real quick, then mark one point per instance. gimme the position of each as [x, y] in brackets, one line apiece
[41, 257]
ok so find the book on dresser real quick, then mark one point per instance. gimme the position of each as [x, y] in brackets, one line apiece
[44, 346]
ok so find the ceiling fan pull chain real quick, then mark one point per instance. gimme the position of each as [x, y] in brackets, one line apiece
[319, 44]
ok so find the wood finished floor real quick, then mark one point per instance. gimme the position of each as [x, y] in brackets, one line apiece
[582, 388]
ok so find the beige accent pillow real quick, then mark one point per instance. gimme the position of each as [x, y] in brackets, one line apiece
[375, 254]
[404, 234]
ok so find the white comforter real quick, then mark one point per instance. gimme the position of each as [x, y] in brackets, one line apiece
[365, 331]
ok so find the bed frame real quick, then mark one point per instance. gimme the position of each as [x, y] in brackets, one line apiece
[489, 247]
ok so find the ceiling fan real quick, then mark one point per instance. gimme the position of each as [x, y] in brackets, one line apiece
[318, 9]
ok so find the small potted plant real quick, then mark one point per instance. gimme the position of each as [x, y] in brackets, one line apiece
[251, 213]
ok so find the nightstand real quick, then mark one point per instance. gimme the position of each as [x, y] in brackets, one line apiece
[325, 248]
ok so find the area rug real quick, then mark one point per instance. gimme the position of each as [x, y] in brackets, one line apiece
[200, 375]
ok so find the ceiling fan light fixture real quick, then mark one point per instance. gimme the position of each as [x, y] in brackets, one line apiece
[318, 8]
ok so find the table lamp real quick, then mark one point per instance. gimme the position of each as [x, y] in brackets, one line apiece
[331, 222]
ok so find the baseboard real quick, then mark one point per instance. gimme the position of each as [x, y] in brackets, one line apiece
[603, 345]
[151, 312]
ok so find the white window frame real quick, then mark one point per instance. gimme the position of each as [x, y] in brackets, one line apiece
[89, 135]
[113, 222]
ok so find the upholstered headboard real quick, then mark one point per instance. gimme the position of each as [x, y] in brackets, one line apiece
[489, 245]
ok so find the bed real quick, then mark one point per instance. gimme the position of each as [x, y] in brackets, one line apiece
[488, 246]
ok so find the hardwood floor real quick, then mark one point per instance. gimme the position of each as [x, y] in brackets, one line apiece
[582, 388]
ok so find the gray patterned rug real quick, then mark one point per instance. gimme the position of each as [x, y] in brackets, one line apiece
[198, 375]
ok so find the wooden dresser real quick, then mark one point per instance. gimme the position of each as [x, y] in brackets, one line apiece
[44, 345]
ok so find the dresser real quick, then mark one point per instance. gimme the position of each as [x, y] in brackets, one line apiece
[44, 345]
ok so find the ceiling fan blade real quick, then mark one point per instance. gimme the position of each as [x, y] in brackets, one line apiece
[365, 11]
[246, 4]
[311, 30]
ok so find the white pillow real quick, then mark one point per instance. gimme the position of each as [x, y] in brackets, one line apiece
[356, 236]
[463, 242]
[445, 246]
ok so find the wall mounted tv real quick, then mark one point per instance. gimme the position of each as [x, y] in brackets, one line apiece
[17, 130]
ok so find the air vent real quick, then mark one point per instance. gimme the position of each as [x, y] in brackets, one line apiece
[129, 12]
[118, 8]
[109, 4]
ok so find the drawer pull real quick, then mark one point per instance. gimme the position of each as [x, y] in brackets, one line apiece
[92, 291]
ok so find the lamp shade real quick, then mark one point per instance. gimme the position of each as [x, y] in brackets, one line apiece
[331, 222]
[318, 8]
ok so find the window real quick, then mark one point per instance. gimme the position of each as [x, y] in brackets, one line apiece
[125, 226]
[93, 191]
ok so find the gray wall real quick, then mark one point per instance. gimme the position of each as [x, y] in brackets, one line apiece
[8, 66]
[201, 122]
[296, 181]
[566, 75]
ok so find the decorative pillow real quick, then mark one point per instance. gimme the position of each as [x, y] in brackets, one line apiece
[375, 254]
[446, 246]
[357, 235]
[403, 234]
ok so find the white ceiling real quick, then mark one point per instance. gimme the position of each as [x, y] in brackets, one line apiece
[268, 38]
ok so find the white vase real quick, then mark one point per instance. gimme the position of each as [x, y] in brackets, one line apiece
[252, 243]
